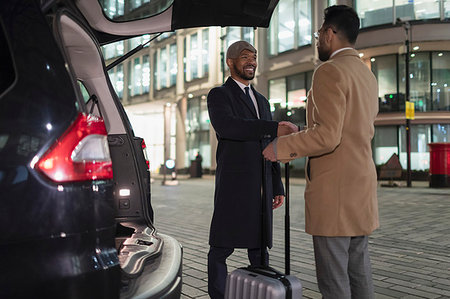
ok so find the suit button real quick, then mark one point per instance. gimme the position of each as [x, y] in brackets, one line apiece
[293, 155]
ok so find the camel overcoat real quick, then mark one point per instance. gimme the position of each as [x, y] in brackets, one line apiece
[341, 180]
[236, 221]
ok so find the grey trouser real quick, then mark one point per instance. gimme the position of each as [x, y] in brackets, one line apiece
[343, 267]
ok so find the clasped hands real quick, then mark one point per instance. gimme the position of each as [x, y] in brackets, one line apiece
[284, 128]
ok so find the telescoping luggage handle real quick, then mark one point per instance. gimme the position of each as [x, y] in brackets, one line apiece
[287, 221]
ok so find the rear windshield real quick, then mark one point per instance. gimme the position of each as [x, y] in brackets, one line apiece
[7, 73]
[120, 11]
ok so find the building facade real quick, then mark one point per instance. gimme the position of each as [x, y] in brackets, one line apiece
[164, 86]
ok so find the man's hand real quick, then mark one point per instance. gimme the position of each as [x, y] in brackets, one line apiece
[286, 128]
[277, 201]
[269, 153]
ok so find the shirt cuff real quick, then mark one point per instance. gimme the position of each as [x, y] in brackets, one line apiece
[274, 144]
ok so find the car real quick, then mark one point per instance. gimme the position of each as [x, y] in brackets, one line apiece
[76, 216]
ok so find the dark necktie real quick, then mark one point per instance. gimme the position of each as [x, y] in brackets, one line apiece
[247, 93]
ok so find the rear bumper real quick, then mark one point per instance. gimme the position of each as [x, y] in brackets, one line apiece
[75, 266]
[162, 276]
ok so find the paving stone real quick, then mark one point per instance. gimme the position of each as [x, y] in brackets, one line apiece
[415, 292]
[409, 252]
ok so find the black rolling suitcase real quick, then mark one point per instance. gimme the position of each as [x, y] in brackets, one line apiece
[265, 282]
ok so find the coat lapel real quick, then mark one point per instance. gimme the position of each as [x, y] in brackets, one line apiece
[261, 104]
[242, 96]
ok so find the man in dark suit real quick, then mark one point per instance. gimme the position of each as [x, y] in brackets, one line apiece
[243, 123]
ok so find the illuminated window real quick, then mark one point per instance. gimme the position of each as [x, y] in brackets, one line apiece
[165, 73]
[381, 12]
[113, 50]
[138, 75]
[116, 77]
[196, 55]
[290, 27]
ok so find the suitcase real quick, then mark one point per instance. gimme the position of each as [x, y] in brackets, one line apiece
[263, 281]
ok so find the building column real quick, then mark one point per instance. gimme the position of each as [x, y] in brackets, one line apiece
[180, 158]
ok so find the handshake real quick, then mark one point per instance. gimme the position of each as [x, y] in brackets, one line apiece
[286, 128]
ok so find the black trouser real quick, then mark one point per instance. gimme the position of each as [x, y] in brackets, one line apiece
[217, 268]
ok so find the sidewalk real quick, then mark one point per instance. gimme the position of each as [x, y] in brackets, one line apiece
[410, 252]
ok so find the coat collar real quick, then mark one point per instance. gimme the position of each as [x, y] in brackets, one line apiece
[236, 89]
[346, 52]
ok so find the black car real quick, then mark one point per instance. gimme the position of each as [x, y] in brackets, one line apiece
[76, 214]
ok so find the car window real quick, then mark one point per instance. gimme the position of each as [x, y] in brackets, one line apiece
[7, 73]
[121, 11]
[84, 91]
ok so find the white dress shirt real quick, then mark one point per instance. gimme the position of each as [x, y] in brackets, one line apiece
[252, 96]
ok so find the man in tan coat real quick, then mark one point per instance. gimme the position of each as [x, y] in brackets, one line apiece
[341, 207]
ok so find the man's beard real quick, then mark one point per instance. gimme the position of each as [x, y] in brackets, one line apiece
[323, 55]
[242, 74]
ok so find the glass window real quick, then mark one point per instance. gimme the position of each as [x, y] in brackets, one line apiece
[113, 50]
[194, 49]
[304, 23]
[296, 99]
[84, 91]
[138, 75]
[440, 85]
[137, 41]
[197, 130]
[447, 9]
[196, 55]
[116, 78]
[286, 25]
[290, 26]
[145, 74]
[380, 12]
[232, 34]
[205, 51]
[162, 68]
[420, 137]
[287, 97]
[429, 75]
[419, 80]
[121, 10]
[277, 96]
[173, 65]
[385, 143]
[441, 133]
[385, 70]
[137, 78]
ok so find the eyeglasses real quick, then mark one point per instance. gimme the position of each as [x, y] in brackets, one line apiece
[317, 34]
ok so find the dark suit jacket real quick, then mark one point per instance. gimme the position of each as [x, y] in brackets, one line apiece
[236, 220]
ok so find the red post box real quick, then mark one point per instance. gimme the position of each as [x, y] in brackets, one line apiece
[439, 164]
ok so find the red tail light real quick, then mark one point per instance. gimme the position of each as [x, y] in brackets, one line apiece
[144, 149]
[81, 154]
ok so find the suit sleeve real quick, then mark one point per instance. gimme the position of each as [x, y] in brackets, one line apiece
[322, 136]
[277, 184]
[229, 126]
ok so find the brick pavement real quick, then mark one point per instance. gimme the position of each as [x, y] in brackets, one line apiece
[410, 252]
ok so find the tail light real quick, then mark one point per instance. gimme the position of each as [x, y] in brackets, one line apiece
[81, 154]
[144, 149]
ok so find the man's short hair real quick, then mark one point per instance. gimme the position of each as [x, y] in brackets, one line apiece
[344, 20]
